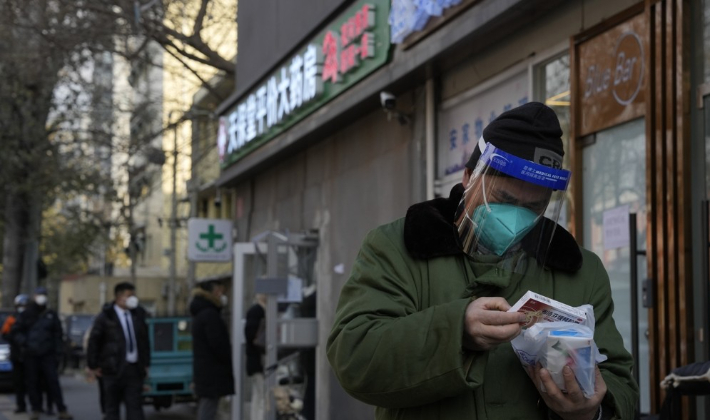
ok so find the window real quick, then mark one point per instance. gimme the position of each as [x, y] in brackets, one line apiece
[551, 86]
[461, 119]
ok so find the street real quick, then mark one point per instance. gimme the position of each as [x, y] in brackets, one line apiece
[82, 400]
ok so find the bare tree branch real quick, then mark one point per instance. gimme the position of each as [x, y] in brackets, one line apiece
[212, 58]
[204, 82]
[200, 18]
[56, 119]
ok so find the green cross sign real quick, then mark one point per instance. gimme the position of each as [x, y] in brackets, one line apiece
[211, 237]
[209, 240]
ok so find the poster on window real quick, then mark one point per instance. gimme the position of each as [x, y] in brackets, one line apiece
[616, 227]
[461, 122]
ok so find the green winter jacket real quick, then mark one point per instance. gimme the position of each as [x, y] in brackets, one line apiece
[397, 338]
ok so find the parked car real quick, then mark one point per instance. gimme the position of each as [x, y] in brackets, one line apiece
[5, 363]
[169, 379]
[75, 327]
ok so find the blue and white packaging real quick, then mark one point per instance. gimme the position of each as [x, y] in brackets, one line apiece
[558, 344]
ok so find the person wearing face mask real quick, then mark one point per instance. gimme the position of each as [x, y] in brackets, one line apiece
[422, 330]
[38, 332]
[211, 349]
[16, 356]
[119, 353]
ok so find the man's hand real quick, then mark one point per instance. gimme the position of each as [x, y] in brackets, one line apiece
[89, 375]
[572, 404]
[487, 323]
[97, 372]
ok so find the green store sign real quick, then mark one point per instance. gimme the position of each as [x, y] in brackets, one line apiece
[349, 49]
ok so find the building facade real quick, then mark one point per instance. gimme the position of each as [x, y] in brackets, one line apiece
[392, 115]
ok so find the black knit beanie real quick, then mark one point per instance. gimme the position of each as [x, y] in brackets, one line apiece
[531, 131]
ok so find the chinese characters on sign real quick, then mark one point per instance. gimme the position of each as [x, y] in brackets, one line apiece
[222, 139]
[294, 85]
[330, 49]
[463, 121]
[355, 44]
[346, 51]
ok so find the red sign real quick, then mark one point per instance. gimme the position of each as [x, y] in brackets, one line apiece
[330, 51]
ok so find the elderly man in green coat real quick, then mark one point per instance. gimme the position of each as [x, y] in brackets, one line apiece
[422, 329]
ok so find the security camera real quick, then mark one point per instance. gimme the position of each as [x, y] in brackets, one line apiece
[389, 105]
[388, 100]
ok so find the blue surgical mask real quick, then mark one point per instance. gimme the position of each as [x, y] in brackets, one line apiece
[500, 226]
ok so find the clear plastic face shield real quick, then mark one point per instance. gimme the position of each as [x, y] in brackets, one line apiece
[506, 201]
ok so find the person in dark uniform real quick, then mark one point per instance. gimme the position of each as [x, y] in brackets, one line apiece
[38, 332]
[119, 353]
[16, 356]
[211, 349]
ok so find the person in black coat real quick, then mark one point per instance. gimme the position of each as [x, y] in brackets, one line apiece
[211, 349]
[119, 353]
[254, 330]
[38, 332]
[254, 335]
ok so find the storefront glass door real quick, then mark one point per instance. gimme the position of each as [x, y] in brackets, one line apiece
[614, 185]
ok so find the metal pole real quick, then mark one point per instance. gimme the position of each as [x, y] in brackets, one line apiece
[173, 229]
[102, 294]
[633, 259]
[430, 137]
[704, 279]
[705, 275]
[191, 265]
[194, 183]
[271, 314]
[193, 188]
[131, 234]
[239, 271]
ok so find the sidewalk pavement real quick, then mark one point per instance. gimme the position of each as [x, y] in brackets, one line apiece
[81, 398]
[7, 406]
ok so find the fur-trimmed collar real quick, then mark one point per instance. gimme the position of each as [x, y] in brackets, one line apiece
[429, 232]
[207, 296]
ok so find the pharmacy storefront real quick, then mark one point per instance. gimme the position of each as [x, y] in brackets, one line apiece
[349, 49]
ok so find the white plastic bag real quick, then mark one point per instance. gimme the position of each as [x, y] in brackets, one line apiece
[559, 344]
